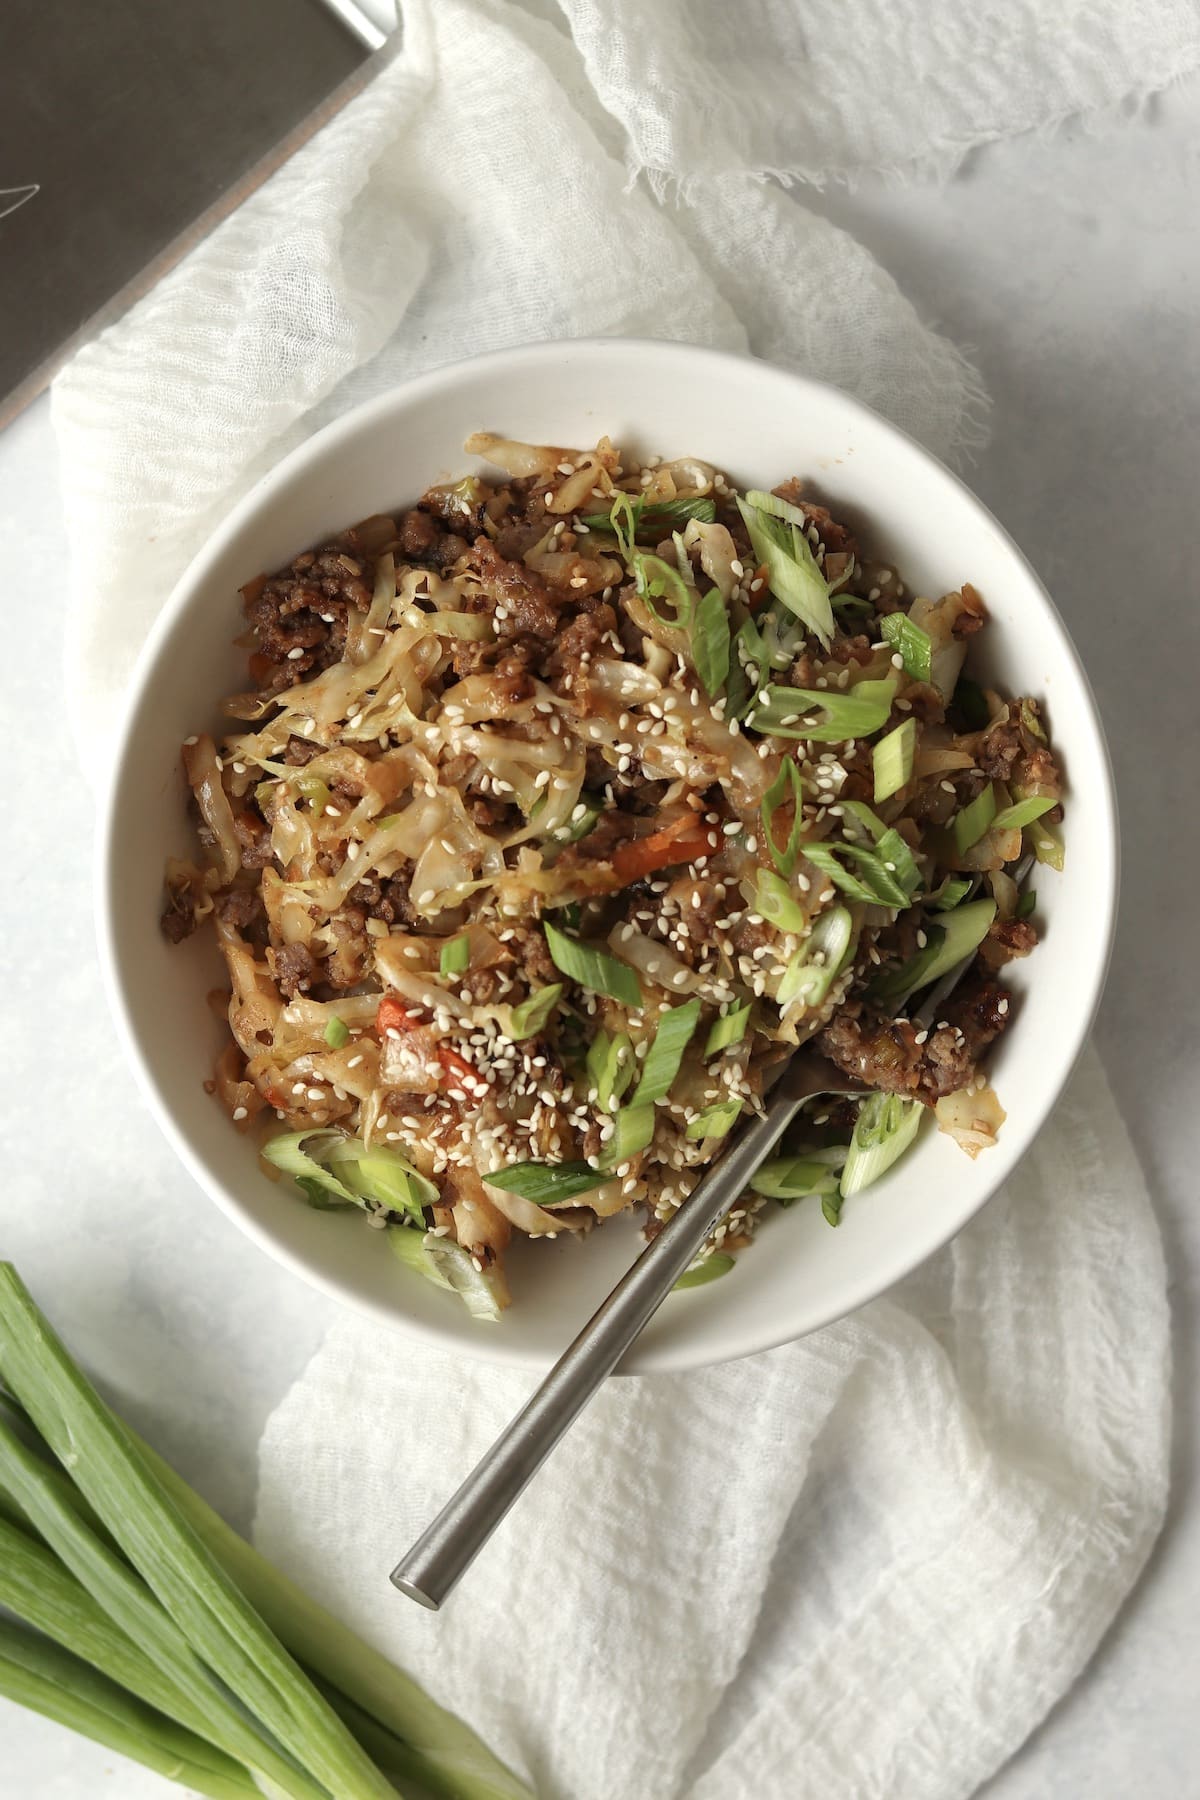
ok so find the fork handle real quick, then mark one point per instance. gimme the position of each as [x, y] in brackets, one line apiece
[446, 1549]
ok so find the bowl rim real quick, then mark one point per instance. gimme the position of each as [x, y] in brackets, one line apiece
[691, 1352]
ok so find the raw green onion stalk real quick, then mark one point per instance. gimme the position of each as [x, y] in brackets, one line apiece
[143, 1622]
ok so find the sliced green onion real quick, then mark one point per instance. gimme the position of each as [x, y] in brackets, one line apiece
[541, 1182]
[661, 512]
[819, 961]
[633, 1128]
[715, 1121]
[831, 1207]
[286, 1154]
[971, 702]
[774, 899]
[456, 954]
[975, 819]
[593, 969]
[381, 1175]
[885, 1127]
[709, 1269]
[611, 1067]
[710, 641]
[789, 1178]
[575, 829]
[793, 573]
[888, 889]
[863, 710]
[170, 1597]
[657, 580]
[952, 890]
[964, 930]
[892, 759]
[1031, 720]
[1026, 904]
[913, 644]
[665, 1054]
[528, 1018]
[1022, 813]
[1046, 843]
[853, 606]
[337, 1033]
[776, 507]
[729, 1029]
[892, 849]
[822, 857]
[786, 786]
[314, 790]
[749, 668]
[447, 1265]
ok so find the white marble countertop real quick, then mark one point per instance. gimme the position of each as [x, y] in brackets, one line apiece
[1072, 268]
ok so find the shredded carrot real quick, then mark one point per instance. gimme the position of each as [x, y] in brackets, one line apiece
[456, 1065]
[755, 600]
[678, 842]
[394, 1017]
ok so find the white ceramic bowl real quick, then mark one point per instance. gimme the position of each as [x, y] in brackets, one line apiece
[760, 424]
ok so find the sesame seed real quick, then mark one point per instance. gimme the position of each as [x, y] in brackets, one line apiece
[239, 1112]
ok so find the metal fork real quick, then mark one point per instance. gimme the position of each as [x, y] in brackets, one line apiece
[447, 1548]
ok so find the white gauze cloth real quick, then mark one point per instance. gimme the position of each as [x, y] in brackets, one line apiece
[868, 1563]
[861, 1567]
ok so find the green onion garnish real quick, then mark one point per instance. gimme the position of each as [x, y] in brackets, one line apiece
[337, 1033]
[892, 759]
[786, 786]
[577, 828]
[716, 1121]
[831, 1207]
[952, 890]
[656, 581]
[1046, 843]
[774, 899]
[710, 641]
[974, 821]
[665, 1054]
[529, 1017]
[783, 712]
[729, 1029]
[611, 1067]
[545, 1182]
[380, 1173]
[822, 857]
[971, 702]
[661, 512]
[1022, 813]
[793, 573]
[852, 606]
[962, 933]
[913, 644]
[456, 954]
[1026, 904]
[790, 1178]
[819, 961]
[885, 1127]
[593, 969]
[891, 848]
[633, 1128]
[286, 1154]
[701, 1273]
